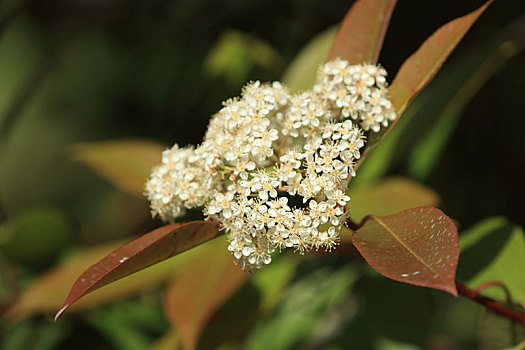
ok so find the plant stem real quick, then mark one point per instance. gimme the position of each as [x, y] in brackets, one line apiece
[489, 303]
[354, 226]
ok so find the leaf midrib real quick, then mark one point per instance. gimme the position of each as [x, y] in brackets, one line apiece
[408, 248]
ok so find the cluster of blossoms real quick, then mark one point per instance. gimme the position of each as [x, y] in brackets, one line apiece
[274, 167]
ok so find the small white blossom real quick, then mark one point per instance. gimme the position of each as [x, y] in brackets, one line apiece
[265, 147]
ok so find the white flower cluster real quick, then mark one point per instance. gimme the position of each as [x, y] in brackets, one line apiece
[274, 167]
[360, 91]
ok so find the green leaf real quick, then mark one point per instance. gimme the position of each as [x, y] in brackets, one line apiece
[382, 157]
[21, 48]
[497, 332]
[389, 196]
[303, 309]
[360, 36]
[491, 251]
[122, 337]
[124, 163]
[418, 246]
[149, 249]
[383, 343]
[404, 317]
[428, 151]
[419, 69]
[411, 132]
[236, 53]
[520, 346]
[197, 292]
[273, 279]
[129, 325]
[423, 139]
[168, 341]
[32, 335]
[225, 328]
[35, 236]
[301, 74]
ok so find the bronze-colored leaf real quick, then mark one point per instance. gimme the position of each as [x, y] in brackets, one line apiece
[418, 246]
[151, 248]
[421, 67]
[360, 36]
[197, 292]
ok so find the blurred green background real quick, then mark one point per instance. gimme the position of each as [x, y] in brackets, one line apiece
[78, 71]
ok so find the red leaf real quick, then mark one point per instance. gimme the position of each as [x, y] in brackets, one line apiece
[418, 246]
[151, 248]
[419, 69]
[197, 292]
[360, 36]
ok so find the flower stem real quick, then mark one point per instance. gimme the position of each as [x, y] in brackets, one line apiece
[354, 226]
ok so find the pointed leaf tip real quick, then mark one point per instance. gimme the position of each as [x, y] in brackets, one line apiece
[421, 67]
[418, 246]
[149, 249]
[60, 312]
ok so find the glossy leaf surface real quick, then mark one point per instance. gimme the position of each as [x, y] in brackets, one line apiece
[418, 246]
[360, 36]
[144, 251]
[46, 293]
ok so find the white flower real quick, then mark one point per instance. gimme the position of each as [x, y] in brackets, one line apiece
[267, 146]
[338, 196]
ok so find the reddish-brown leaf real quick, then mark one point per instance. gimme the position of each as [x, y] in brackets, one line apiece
[46, 293]
[360, 36]
[418, 246]
[196, 293]
[421, 67]
[151, 248]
